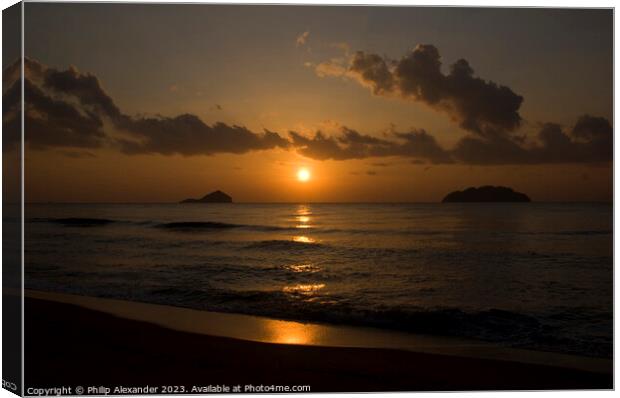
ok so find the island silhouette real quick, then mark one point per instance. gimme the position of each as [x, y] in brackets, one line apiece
[214, 197]
[486, 193]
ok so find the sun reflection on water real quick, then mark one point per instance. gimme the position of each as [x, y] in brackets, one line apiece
[303, 239]
[304, 289]
[303, 222]
[290, 332]
[303, 210]
[303, 268]
[303, 219]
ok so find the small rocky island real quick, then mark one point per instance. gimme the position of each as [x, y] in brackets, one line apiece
[486, 194]
[213, 197]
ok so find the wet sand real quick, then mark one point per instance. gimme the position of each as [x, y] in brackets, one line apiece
[68, 344]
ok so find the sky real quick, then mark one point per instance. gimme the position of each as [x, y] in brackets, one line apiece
[157, 103]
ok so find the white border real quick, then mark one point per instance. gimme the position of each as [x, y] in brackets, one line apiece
[479, 3]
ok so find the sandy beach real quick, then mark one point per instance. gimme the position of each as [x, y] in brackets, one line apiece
[68, 344]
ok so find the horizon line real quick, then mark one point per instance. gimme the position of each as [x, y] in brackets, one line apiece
[309, 202]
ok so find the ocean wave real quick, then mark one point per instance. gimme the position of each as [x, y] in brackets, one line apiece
[277, 244]
[594, 232]
[76, 221]
[196, 225]
[567, 233]
[494, 325]
[211, 225]
[173, 226]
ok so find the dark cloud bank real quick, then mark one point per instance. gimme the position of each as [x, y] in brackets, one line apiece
[70, 109]
[477, 105]
[489, 112]
[589, 141]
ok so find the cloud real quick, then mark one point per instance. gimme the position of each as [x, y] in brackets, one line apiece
[85, 88]
[479, 106]
[302, 38]
[420, 144]
[70, 109]
[372, 71]
[350, 144]
[368, 173]
[50, 121]
[188, 135]
[78, 154]
[333, 67]
[589, 141]
[62, 108]
[489, 112]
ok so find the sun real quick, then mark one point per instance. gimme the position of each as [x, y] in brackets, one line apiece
[303, 175]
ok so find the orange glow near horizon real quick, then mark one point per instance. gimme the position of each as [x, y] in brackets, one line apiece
[197, 122]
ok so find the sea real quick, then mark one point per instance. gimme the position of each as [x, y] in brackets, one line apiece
[529, 275]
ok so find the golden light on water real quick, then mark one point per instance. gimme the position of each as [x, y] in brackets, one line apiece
[303, 219]
[303, 239]
[290, 332]
[304, 288]
[303, 175]
[303, 222]
[303, 268]
[303, 210]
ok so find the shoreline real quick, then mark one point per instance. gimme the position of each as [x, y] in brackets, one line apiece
[269, 330]
[83, 340]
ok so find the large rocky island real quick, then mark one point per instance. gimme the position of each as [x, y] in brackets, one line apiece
[486, 194]
[213, 197]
